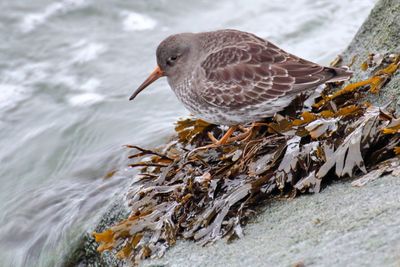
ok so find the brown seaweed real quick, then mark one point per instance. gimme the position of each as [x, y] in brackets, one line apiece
[211, 194]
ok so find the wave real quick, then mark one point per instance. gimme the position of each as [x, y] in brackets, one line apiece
[85, 99]
[31, 21]
[11, 95]
[133, 21]
[41, 216]
[87, 51]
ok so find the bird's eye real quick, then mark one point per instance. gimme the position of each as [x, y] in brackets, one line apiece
[171, 60]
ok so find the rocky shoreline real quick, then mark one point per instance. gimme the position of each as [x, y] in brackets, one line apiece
[379, 34]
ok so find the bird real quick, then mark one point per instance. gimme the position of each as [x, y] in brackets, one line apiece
[231, 77]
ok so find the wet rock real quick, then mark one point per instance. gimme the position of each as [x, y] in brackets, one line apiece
[380, 34]
[340, 226]
[84, 253]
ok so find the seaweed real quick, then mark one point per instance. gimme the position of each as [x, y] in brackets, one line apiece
[211, 194]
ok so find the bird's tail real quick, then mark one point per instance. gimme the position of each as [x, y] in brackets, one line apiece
[340, 74]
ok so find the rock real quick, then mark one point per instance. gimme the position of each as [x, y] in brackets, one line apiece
[84, 253]
[379, 34]
[342, 225]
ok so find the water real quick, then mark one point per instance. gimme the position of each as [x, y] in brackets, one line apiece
[67, 68]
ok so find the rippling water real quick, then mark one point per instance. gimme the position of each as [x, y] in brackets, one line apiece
[66, 70]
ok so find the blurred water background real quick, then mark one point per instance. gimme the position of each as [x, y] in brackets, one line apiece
[67, 68]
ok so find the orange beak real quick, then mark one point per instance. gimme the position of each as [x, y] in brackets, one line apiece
[157, 73]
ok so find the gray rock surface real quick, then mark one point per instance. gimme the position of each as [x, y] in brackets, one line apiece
[84, 253]
[380, 33]
[341, 226]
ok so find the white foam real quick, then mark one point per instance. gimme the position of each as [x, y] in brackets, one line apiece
[63, 78]
[85, 99]
[90, 85]
[32, 21]
[87, 51]
[33, 74]
[26, 74]
[133, 21]
[11, 95]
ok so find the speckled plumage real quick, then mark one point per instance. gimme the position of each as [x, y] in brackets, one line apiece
[231, 77]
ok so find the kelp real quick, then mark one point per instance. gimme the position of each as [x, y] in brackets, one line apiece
[210, 194]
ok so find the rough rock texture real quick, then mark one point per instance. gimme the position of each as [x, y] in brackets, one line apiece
[380, 33]
[342, 226]
[84, 252]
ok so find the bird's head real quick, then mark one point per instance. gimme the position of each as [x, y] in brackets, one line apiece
[172, 54]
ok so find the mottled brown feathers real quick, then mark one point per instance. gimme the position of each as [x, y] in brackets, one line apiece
[259, 72]
[232, 77]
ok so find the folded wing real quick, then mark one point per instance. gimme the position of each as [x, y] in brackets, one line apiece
[253, 73]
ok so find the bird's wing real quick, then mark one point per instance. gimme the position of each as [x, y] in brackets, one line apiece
[251, 73]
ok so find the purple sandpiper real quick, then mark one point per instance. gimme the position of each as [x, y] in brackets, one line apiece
[230, 77]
